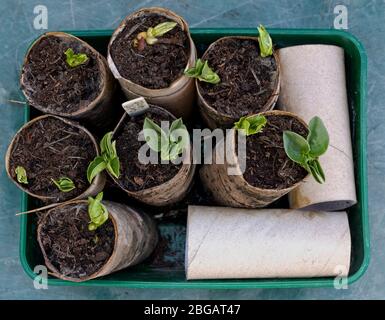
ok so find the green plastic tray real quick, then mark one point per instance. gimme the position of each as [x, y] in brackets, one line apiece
[148, 276]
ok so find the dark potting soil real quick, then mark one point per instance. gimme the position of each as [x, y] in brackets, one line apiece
[54, 85]
[153, 66]
[267, 165]
[51, 148]
[134, 175]
[71, 248]
[247, 79]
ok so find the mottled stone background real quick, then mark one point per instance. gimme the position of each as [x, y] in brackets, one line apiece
[366, 21]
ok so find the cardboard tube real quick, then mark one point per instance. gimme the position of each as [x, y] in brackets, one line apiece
[225, 243]
[172, 190]
[179, 97]
[233, 190]
[135, 238]
[94, 188]
[313, 83]
[211, 116]
[98, 112]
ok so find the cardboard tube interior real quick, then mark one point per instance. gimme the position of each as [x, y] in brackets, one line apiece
[225, 243]
[179, 97]
[136, 236]
[313, 83]
[99, 111]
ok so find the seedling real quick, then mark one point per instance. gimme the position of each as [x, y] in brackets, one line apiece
[170, 144]
[108, 160]
[265, 42]
[202, 72]
[64, 184]
[21, 175]
[251, 124]
[97, 212]
[75, 60]
[305, 152]
[153, 33]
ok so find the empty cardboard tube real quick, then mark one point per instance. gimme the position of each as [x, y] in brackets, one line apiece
[179, 97]
[313, 84]
[98, 112]
[230, 243]
[136, 236]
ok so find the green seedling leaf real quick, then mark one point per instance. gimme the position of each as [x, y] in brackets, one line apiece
[203, 72]
[153, 33]
[97, 212]
[64, 184]
[251, 124]
[318, 137]
[95, 167]
[296, 147]
[169, 144]
[305, 152]
[108, 160]
[265, 42]
[21, 175]
[75, 60]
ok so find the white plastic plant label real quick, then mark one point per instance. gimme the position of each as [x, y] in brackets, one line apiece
[135, 107]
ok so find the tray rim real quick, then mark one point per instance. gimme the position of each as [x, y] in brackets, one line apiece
[242, 283]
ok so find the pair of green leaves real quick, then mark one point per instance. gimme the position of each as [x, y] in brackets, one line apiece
[202, 72]
[170, 144]
[153, 33]
[97, 212]
[305, 152]
[64, 184]
[265, 42]
[21, 175]
[75, 60]
[249, 125]
[108, 160]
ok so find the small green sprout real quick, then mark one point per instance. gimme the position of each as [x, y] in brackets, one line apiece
[97, 212]
[170, 144]
[202, 72]
[251, 124]
[75, 60]
[265, 42]
[64, 184]
[108, 160]
[152, 33]
[305, 152]
[21, 175]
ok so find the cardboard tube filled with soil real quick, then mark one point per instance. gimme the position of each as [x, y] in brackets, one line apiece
[229, 243]
[48, 151]
[125, 239]
[65, 76]
[249, 83]
[154, 71]
[313, 84]
[262, 173]
[156, 184]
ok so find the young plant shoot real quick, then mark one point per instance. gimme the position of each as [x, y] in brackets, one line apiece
[202, 72]
[265, 42]
[75, 60]
[97, 212]
[64, 184]
[152, 34]
[169, 144]
[251, 124]
[21, 175]
[305, 152]
[108, 160]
